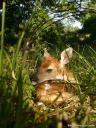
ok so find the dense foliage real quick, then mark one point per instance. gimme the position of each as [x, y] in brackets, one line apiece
[35, 18]
[27, 27]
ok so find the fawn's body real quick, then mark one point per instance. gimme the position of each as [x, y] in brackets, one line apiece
[51, 69]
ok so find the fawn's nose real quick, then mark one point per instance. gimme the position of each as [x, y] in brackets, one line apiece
[34, 78]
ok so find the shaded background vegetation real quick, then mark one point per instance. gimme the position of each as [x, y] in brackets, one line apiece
[42, 28]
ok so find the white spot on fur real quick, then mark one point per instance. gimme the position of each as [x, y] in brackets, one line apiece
[47, 86]
[61, 77]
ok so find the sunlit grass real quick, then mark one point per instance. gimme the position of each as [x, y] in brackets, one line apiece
[85, 67]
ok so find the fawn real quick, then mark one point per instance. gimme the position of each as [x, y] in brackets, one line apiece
[54, 79]
[48, 89]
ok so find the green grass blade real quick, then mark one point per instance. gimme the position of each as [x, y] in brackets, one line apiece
[17, 51]
[2, 37]
[19, 100]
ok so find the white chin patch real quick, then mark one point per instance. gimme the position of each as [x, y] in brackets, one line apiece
[60, 77]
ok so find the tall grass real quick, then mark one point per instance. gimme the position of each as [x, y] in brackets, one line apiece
[13, 98]
[2, 38]
[17, 91]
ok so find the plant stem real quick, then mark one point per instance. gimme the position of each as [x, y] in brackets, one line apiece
[2, 37]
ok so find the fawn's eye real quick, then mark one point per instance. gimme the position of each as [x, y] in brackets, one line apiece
[49, 70]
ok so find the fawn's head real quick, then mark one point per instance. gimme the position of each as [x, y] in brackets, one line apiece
[52, 68]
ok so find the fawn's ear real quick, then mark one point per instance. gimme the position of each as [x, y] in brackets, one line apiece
[46, 54]
[65, 56]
